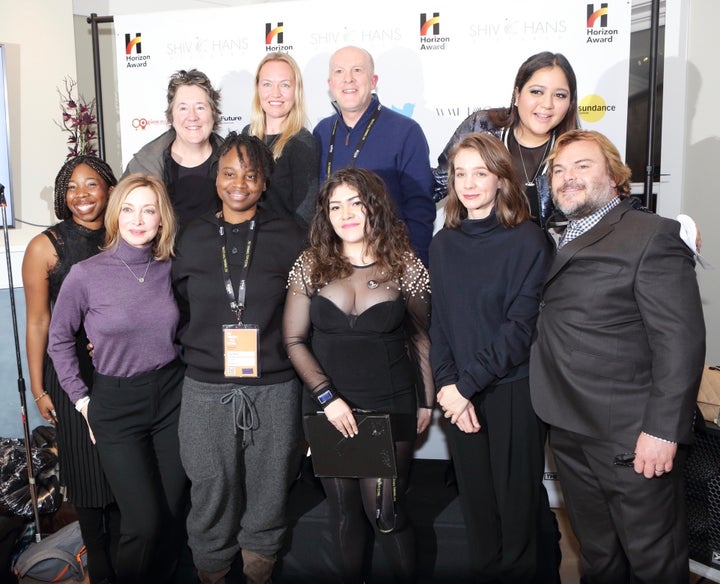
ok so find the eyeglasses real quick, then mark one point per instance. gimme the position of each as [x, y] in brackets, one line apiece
[625, 459]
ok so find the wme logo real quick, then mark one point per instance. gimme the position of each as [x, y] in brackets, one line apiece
[426, 23]
[593, 15]
[133, 42]
[271, 32]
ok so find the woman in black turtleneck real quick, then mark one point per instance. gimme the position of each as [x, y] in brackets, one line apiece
[487, 268]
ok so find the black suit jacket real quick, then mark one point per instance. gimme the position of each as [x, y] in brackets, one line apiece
[620, 341]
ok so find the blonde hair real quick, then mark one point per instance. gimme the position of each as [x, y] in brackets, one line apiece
[297, 115]
[164, 242]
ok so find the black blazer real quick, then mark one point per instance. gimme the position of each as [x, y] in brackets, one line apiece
[620, 341]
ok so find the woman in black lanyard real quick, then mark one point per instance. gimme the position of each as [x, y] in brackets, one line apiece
[356, 320]
[240, 424]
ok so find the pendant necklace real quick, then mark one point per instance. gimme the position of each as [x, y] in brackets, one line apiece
[139, 279]
[528, 182]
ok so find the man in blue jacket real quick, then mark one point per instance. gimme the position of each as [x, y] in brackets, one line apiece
[365, 134]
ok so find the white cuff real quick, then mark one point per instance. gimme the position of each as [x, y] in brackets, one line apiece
[656, 438]
[82, 402]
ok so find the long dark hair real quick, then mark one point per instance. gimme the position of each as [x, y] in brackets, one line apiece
[386, 236]
[509, 117]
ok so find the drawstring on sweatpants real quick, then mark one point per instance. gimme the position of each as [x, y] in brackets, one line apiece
[244, 413]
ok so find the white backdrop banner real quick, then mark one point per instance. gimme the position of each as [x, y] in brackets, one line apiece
[436, 61]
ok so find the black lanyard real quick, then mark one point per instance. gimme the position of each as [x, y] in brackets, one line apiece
[237, 303]
[358, 148]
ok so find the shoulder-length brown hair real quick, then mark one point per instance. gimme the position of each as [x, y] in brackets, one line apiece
[511, 204]
[164, 242]
[386, 236]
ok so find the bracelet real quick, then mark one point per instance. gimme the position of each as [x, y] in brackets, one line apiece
[42, 395]
[325, 396]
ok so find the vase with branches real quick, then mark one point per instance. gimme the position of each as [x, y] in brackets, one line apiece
[78, 120]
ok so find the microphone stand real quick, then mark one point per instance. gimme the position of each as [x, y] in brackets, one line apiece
[21, 382]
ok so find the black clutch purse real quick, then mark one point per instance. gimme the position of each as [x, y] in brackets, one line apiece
[369, 454]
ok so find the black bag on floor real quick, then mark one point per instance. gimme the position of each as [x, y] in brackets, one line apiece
[14, 489]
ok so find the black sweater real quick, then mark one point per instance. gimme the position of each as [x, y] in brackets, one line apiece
[204, 304]
[486, 282]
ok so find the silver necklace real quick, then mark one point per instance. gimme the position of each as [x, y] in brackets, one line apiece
[139, 279]
[528, 182]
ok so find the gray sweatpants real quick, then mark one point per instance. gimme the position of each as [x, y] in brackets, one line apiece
[241, 448]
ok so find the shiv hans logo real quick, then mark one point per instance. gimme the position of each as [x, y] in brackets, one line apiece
[277, 33]
[601, 14]
[133, 42]
[138, 59]
[430, 38]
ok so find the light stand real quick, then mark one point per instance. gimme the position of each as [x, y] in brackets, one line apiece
[21, 380]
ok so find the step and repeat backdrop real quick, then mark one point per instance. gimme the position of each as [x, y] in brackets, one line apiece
[437, 62]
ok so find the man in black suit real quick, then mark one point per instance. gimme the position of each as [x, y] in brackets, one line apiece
[615, 367]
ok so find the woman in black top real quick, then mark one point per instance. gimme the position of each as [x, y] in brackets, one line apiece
[355, 328]
[82, 189]
[487, 268]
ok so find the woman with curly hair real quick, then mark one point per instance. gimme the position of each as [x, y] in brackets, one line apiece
[82, 188]
[356, 329]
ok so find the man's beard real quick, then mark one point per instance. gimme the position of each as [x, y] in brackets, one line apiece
[594, 200]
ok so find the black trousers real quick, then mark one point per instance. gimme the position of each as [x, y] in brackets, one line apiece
[512, 532]
[630, 529]
[135, 422]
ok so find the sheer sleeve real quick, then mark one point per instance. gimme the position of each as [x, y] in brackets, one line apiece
[415, 286]
[297, 328]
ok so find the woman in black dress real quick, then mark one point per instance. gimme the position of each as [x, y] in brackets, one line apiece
[82, 189]
[355, 328]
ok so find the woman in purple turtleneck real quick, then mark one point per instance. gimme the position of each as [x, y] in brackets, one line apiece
[124, 300]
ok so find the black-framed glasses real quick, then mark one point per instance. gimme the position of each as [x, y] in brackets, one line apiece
[625, 459]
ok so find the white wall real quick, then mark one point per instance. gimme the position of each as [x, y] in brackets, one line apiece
[701, 184]
[40, 52]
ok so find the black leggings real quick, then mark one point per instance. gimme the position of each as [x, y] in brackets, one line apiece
[353, 503]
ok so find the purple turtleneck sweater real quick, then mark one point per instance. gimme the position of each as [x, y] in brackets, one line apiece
[132, 325]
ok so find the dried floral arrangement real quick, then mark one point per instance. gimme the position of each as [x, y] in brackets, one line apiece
[78, 119]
